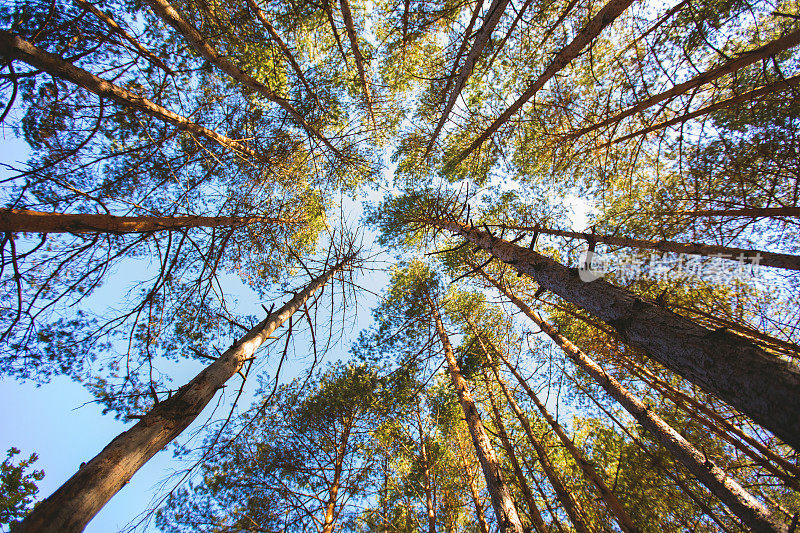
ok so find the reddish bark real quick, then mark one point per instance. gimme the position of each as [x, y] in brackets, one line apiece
[25, 221]
[502, 502]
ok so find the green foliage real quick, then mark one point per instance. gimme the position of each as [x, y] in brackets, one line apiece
[17, 487]
[389, 412]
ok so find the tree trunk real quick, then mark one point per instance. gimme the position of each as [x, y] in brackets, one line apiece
[553, 514]
[656, 462]
[723, 428]
[347, 17]
[163, 9]
[496, 10]
[754, 212]
[76, 502]
[502, 502]
[746, 59]
[283, 47]
[591, 475]
[24, 221]
[604, 17]
[461, 49]
[426, 476]
[111, 23]
[14, 47]
[564, 496]
[533, 510]
[520, 13]
[333, 489]
[738, 500]
[755, 257]
[759, 385]
[778, 86]
[473, 490]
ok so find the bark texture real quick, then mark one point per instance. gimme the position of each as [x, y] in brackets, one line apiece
[738, 500]
[25, 221]
[78, 500]
[503, 504]
[756, 383]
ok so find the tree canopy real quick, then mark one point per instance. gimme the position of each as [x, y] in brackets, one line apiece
[588, 215]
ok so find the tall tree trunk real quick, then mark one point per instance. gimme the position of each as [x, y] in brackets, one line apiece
[163, 9]
[496, 10]
[754, 212]
[723, 428]
[567, 499]
[333, 489]
[553, 514]
[502, 502]
[426, 476]
[25, 221]
[778, 86]
[614, 505]
[499, 47]
[743, 60]
[738, 500]
[283, 47]
[604, 17]
[476, 10]
[756, 257]
[14, 47]
[591, 475]
[76, 502]
[473, 489]
[347, 17]
[657, 462]
[111, 23]
[759, 385]
[533, 510]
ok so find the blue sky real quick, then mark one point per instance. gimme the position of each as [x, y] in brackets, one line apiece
[60, 422]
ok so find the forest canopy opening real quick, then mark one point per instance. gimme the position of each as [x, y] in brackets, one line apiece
[377, 266]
